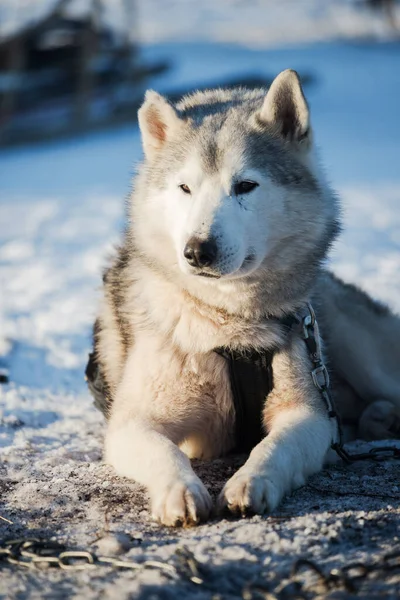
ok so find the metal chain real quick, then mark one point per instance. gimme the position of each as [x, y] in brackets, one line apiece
[348, 578]
[351, 575]
[320, 377]
[33, 553]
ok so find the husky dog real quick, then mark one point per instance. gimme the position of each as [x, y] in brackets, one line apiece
[230, 220]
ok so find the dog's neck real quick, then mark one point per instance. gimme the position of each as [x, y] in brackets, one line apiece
[252, 299]
[203, 317]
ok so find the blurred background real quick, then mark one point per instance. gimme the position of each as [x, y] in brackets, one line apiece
[67, 66]
[72, 75]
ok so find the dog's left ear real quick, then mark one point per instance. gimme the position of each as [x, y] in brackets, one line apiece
[286, 109]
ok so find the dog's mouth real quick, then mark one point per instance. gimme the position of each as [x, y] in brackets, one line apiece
[208, 274]
[245, 267]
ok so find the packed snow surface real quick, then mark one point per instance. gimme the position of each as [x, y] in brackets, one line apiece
[61, 211]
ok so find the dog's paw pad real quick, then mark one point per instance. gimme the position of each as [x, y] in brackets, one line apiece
[246, 494]
[182, 504]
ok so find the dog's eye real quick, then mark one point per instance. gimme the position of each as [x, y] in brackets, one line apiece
[244, 187]
[185, 188]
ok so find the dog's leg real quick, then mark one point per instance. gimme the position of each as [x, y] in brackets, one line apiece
[299, 435]
[141, 444]
[137, 450]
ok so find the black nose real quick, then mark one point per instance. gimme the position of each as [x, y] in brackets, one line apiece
[200, 253]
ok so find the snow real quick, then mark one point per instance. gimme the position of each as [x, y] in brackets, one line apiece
[61, 211]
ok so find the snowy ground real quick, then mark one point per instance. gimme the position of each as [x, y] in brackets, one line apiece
[61, 209]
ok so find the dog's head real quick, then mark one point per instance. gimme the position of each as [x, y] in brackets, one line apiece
[230, 186]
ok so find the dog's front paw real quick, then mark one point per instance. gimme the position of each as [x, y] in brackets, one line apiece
[250, 493]
[181, 503]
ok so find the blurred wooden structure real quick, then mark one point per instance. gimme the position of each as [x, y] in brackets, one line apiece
[66, 74]
[388, 8]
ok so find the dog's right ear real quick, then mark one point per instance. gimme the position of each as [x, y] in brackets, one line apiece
[158, 120]
[286, 109]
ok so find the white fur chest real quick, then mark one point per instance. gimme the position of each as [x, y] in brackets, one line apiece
[194, 326]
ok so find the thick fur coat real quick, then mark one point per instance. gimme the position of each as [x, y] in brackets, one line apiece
[230, 220]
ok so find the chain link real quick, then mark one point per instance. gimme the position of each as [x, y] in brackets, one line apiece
[320, 377]
[348, 577]
[319, 372]
[33, 553]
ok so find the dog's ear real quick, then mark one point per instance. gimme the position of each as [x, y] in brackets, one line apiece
[158, 120]
[285, 107]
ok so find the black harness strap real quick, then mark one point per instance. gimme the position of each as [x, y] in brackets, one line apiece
[251, 377]
[251, 380]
